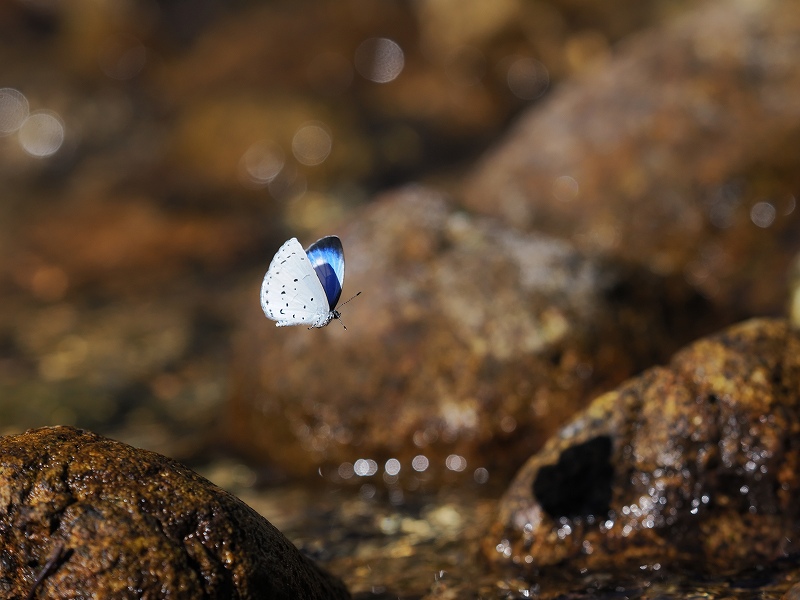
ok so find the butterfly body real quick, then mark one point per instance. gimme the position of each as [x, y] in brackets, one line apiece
[302, 287]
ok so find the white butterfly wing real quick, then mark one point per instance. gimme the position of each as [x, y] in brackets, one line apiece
[291, 292]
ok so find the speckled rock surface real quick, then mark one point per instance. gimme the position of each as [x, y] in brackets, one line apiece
[695, 464]
[679, 155]
[469, 342]
[82, 515]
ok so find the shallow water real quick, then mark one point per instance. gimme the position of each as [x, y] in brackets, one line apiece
[426, 549]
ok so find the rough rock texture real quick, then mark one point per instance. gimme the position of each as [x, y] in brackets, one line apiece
[679, 155]
[469, 341]
[695, 464]
[82, 515]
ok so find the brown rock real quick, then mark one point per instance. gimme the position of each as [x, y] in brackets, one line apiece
[469, 341]
[695, 464]
[82, 515]
[679, 155]
[793, 593]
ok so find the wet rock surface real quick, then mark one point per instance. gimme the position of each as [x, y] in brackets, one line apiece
[470, 344]
[82, 515]
[678, 155]
[425, 549]
[693, 465]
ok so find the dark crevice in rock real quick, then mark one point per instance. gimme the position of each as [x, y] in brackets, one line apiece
[579, 485]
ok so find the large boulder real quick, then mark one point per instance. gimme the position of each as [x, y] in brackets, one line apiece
[470, 345]
[680, 154]
[86, 516]
[695, 464]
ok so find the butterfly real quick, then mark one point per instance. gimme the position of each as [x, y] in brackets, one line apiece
[302, 287]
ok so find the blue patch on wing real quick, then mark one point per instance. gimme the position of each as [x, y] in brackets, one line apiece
[327, 258]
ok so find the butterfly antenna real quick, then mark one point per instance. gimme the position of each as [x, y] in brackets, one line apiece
[351, 298]
[338, 316]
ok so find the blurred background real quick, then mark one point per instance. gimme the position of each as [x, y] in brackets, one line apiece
[155, 154]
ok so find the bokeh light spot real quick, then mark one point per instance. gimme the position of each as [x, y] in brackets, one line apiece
[312, 144]
[367, 491]
[420, 463]
[508, 424]
[13, 110]
[791, 204]
[396, 496]
[722, 205]
[42, 134]
[565, 188]
[481, 475]
[392, 466]
[763, 214]
[379, 59]
[261, 163]
[457, 463]
[345, 470]
[365, 467]
[527, 78]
